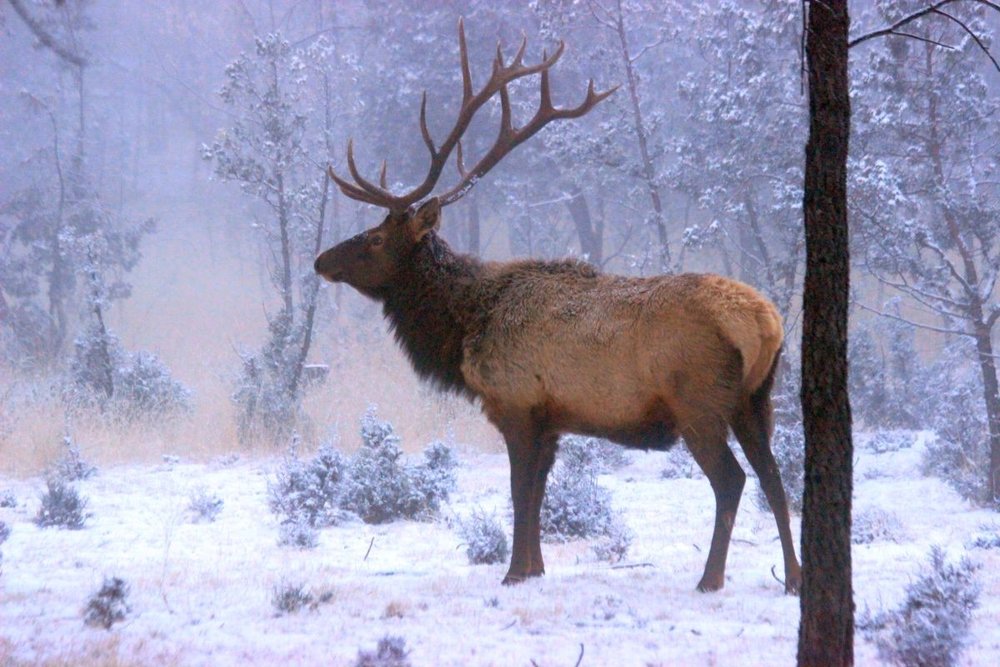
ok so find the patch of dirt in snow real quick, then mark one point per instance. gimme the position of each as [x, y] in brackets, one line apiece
[201, 592]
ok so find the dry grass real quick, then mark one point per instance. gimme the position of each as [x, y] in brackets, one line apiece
[108, 651]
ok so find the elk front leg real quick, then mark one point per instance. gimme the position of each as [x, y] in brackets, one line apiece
[523, 453]
[712, 454]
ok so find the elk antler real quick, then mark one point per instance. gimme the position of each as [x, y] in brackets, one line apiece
[508, 138]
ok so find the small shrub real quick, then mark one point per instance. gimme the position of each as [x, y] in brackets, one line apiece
[788, 447]
[70, 467]
[882, 442]
[380, 487]
[575, 505]
[680, 464]
[300, 534]
[204, 506]
[988, 537]
[597, 454]
[267, 409]
[288, 598]
[615, 546]
[103, 374]
[4, 534]
[485, 539]
[7, 499]
[310, 491]
[390, 652]
[930, 628]
[108, 605]
[62, 506]
[875, 525]
[960, 453]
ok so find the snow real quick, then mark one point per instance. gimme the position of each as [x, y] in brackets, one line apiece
[201, 592]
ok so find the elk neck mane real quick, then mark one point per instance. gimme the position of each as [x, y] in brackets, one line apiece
[430, 306]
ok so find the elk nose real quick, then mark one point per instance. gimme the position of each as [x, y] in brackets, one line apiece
[317, 265]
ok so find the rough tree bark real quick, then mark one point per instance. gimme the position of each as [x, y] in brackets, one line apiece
[826, 633]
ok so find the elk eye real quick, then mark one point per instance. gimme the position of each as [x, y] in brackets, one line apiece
[376, 240]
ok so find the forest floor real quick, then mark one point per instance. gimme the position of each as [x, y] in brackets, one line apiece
[201, 593]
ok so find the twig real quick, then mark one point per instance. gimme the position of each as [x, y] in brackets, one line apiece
[630, 566]
[509, 626]
[580, 659]
[775, 575]
[370, 545]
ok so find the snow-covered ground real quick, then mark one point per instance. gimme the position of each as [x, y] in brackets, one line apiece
[201, 592]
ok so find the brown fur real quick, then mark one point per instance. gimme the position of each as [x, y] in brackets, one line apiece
[557, 347]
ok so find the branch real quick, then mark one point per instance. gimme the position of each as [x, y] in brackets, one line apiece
[956, 332]
[973, 35]
[926, 11]
[45, 37]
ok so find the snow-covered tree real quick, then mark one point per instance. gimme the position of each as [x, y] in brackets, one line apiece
[282, 99]
[926, 126]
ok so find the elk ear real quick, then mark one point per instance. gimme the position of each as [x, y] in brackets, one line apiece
[426, 219]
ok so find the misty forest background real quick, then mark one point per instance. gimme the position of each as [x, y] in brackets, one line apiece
[162, 197]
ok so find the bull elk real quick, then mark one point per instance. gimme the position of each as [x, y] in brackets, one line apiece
[557, 347]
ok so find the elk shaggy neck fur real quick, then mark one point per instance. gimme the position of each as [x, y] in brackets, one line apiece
[430, 305]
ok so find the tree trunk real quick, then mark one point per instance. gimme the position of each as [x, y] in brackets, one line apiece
[648, 171]
[826, 633]
[991, 396]
[590, 235]
[473, 225]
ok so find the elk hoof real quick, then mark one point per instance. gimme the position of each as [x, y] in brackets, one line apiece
[793, 584]
[513, 578]
[710, 584]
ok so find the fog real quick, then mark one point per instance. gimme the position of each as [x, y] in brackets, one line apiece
[163, 195]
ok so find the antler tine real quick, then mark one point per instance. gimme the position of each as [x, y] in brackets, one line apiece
[381, 176]
[463, 53]
[459, 163]
[428, 140]
[351, 190]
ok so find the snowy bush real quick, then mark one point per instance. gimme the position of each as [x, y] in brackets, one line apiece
[204, 506]
[390, 652]
[375, 484]
[614, 547]
[288, 598]
[62, 506]
[4, 534]
[298, 533]
[7, 498]
[598, 454]
[103, 374]
[70, 466]
[485, 539]
[29, 339]
[988, 537]
[308, 492]
[575, 505]
[883, 442]
[886, 380]
[960, 453]
[788, 447]
[679, 464]
[875, 525]
[931, 627]
[380, 487]
[267, 407]
[108, 605]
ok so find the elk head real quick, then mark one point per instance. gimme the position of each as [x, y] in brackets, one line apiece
[370, 260]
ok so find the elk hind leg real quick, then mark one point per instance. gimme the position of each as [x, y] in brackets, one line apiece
[546, 455]
[752, 426]
[708, 446]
